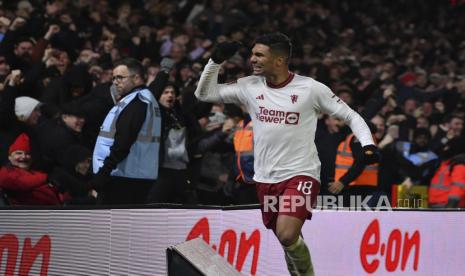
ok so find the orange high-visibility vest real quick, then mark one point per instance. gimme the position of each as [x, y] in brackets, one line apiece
[457, 182]
[440, 185]
[243, 146]
[345, 159]
[446, 184]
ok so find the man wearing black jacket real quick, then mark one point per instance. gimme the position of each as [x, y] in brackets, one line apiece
[126, 153]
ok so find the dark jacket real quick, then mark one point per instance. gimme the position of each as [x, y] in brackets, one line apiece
[326, 144]
[54, 138]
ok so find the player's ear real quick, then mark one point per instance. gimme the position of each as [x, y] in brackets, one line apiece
[280, 60]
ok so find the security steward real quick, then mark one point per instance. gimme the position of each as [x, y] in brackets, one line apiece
[126, 154]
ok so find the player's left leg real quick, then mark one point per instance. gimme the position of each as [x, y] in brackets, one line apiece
[289, 223]
[297, 254]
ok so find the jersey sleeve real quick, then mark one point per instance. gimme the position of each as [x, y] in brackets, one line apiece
[208, 89]
[327, 102]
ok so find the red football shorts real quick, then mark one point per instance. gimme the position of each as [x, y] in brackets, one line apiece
[294, 197]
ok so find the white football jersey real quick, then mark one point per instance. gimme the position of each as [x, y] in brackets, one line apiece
[284, 120]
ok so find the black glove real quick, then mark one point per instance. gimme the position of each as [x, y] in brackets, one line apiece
[370, 154]
[224, 51]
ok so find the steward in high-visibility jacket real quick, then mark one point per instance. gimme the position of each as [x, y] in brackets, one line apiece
[447, 187]
[345, 160]
[243, 146]
[142, 160]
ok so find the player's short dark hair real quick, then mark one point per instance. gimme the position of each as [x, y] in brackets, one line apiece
[134, 66]
[279, 43]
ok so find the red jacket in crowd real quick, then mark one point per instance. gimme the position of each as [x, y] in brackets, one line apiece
[25, 187]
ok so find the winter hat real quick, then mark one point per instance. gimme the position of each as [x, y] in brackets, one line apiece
[21, 143]
[72, 108]
[159, 93]
[24, 107]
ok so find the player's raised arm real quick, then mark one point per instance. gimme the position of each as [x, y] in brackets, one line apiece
[331, 104]
[208, 89]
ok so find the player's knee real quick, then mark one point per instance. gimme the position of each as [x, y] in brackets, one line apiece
[286, 237]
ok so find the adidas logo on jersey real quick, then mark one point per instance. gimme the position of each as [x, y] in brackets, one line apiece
[261, 97]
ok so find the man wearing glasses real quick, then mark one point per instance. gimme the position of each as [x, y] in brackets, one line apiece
[125, 158]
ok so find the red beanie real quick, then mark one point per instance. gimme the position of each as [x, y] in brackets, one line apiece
[21, 143]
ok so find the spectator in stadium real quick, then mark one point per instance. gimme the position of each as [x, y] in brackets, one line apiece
[4, 71]
[430, 112]
[404, 118]
[56, 135]
[172, 180]
[95, 107]
[448, 133]
[126, 154]
[352, 176]
[4, 24]
[73, 176]
[23, 185]
[379, 122]
[214, 149]
[408, 163]
[447, 189]
[329, 134]
[454, 97]
[73, 85]
[19, 114]
[244, 191]
[19, 56]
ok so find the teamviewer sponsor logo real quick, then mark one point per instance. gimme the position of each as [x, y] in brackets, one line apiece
[292, 118]
[277, 116]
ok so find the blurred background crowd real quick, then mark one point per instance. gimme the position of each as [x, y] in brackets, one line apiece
[400, 64]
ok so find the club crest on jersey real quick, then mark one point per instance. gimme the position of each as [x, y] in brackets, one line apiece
[294, 98]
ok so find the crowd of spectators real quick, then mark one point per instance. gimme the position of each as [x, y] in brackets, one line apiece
[401, 64]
